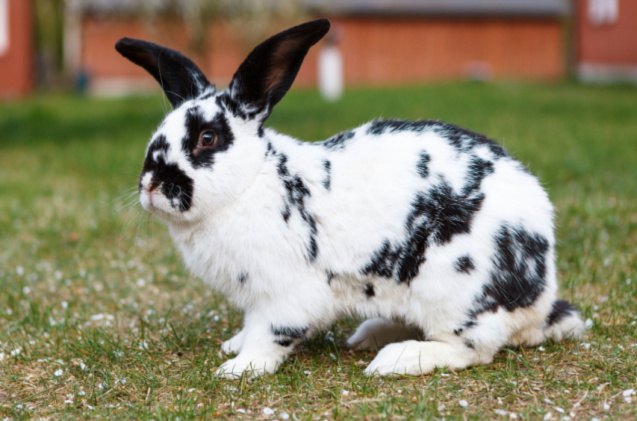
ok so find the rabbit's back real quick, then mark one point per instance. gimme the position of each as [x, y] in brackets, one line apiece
[399, 190]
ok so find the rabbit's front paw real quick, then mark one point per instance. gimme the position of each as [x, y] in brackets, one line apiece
[250, 366]
[233, 345]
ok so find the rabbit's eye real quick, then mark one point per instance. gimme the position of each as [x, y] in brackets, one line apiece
[207, 138]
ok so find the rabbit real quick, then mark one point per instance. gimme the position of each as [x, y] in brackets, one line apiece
[432, 233]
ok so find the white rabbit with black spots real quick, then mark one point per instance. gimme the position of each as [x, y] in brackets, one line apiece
[432, 232]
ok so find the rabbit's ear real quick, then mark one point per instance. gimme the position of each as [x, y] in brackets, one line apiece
[269, 70]
[178, 76]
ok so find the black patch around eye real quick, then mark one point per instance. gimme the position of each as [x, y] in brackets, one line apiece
[464, 264]
[195, 124]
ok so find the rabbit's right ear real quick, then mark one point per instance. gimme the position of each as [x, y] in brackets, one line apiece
[178, 76]
[269, 70]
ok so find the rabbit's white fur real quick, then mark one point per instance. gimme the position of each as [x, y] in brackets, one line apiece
[298, 234]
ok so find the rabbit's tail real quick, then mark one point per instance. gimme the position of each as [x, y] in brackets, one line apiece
[563, 322]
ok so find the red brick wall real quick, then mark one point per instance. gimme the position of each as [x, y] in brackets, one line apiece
[608, 44]
[376, 51]
[380, 51]
[16, 63]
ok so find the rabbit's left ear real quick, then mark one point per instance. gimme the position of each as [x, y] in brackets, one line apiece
[269, 70]
[178, 76]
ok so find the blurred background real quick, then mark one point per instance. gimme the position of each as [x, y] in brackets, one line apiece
[68, 44]
[100, 320]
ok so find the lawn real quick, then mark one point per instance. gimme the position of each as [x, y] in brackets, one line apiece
[99, 319]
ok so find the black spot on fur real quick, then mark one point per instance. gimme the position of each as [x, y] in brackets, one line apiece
[296, 193]
[461, 139]
[283, 342]
[225, 102]
[174, 183]
[269, 150]
[477, 171]
[469, 344]
[423, 164]
[561, 309]
[465, 140]
[518, 277]
[286, 212]
[369, 290]
[330, 276]
[465, 326]
[290, 332]
[327, 181]
[379, 127]
[243, 277]
[313, 246]
[158, 144]
[464, 264]
[195, 124]
[207, 95]
[337, 141]
[383, 261]
[286, 336]
[445, 212]
[436, 216]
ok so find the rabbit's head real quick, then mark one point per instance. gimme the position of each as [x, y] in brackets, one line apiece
[208, 149]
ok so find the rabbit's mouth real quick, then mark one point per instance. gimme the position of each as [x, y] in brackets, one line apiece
[157, 202]
[165, 186]
[163, 198]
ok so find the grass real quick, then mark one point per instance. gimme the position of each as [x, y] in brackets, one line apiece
[99, 319]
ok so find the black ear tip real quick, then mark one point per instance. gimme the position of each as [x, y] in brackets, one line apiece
[323, 23]
[124, 44]
[320, 26]
[312, 31]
